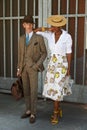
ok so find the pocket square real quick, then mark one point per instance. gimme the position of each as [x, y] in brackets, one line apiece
[35, 43]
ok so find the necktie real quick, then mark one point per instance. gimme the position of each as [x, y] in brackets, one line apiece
[27, 39]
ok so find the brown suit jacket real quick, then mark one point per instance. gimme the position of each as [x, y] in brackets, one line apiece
[34, 54]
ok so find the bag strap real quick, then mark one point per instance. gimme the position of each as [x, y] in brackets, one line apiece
[20, 80]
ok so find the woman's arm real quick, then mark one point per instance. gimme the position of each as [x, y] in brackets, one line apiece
[42, 29]
[69, 63]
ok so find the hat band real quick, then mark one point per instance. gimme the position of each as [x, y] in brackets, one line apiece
[57, 21]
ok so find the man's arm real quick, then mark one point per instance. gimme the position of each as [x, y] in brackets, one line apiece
[43, 51]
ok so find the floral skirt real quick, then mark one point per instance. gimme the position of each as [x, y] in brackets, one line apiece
[55, 86]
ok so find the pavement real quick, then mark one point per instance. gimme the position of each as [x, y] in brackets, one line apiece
[74, 115]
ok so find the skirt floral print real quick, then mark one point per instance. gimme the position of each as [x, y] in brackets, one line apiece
[54, 85]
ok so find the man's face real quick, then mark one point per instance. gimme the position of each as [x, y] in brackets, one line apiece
[28, 26]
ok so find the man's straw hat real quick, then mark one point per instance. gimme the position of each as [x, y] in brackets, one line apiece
[57, 20]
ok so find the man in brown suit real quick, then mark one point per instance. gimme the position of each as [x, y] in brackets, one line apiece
[31, 54]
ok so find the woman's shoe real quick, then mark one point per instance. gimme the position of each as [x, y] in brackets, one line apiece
[54, 119]
[59, 113]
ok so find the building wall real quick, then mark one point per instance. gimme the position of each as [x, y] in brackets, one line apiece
[11, 15]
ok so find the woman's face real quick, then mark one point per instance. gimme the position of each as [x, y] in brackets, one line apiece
[55, 29]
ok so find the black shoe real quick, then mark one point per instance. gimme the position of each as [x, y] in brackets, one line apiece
[32, 119]
[25, 115]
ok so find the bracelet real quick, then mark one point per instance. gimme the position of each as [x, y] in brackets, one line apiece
[43, 29]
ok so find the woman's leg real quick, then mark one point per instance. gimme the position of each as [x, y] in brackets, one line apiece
[56, 109]
[56, 113]
[56, 105]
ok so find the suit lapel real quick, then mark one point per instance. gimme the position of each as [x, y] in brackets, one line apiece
[32, 40]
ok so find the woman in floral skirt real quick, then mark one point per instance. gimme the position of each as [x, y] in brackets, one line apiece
[60, 45]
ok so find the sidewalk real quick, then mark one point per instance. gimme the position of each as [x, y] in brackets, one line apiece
[74, 115]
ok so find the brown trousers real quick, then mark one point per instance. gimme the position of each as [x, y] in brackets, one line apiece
[30, 86]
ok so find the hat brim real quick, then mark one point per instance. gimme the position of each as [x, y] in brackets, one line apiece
[62, 21]
[28, 19]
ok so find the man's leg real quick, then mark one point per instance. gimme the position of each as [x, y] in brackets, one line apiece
[26, 89]
[34, 89]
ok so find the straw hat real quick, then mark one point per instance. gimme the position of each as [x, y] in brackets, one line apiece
[57, 20]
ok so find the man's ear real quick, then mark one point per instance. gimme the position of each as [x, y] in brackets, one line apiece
[23, 25]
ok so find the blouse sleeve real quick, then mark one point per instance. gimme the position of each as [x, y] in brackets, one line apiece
[44, 34]
[69, 44]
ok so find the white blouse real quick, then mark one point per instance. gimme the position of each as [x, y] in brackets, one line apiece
[62, 46]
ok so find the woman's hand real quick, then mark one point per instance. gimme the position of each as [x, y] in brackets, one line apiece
[68, 72]
[37, 29]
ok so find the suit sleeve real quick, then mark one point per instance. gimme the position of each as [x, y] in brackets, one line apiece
[43, 51]
[19, 66]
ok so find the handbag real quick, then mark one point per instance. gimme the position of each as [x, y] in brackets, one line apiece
[68, 85]
[17, 89]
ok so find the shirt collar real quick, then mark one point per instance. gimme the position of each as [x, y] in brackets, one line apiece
[30, 34]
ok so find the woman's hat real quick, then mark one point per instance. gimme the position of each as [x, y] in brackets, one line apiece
[57, 20]
[28, 19]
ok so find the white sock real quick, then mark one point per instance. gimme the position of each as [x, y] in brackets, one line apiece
[28, 112]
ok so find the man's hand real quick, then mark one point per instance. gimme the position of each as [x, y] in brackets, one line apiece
[18, 72]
